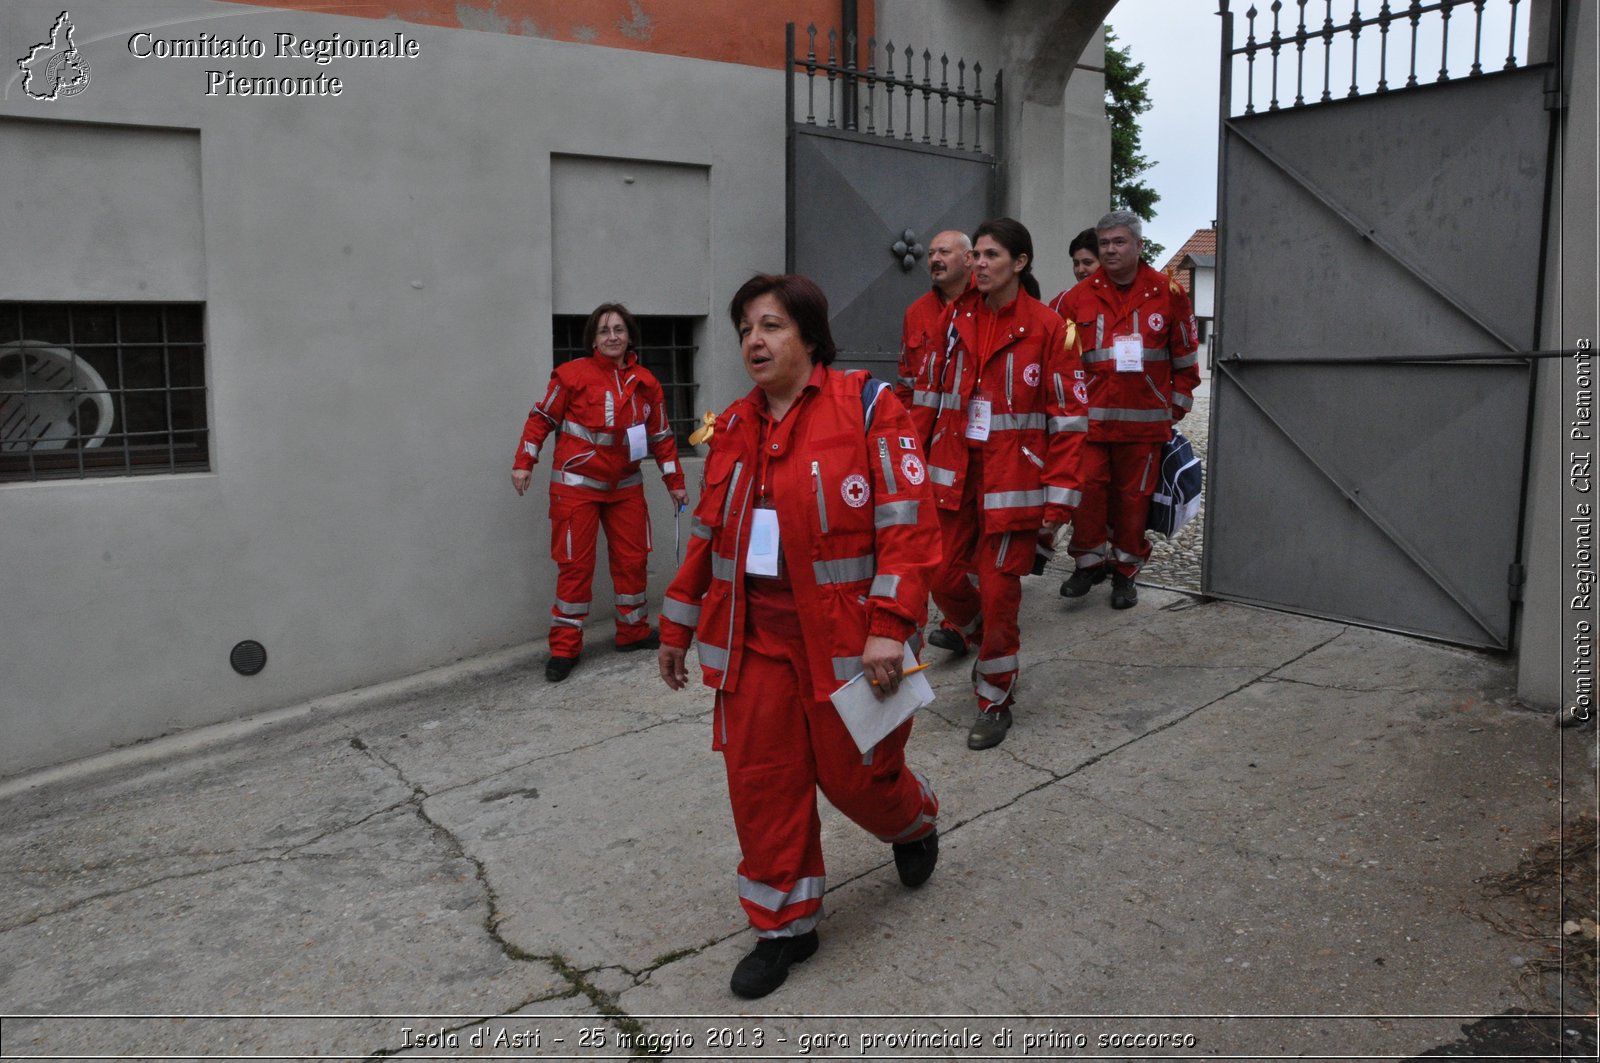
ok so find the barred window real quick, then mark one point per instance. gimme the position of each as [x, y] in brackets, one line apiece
[102, 389]
[667, 349]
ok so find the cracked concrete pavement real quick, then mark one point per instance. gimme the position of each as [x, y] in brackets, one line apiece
[1204, 810]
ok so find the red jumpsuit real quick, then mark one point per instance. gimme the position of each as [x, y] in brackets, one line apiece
[596, 406]
[993, 495]
[1130, 413]
[857, 536]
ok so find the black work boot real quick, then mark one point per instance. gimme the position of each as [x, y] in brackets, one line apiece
[948, 638]
[768, 965]
[914, 860]
[1124, 594]
[558, 668]
[1078, 584]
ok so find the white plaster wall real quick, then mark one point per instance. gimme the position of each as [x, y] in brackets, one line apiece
[378, 273]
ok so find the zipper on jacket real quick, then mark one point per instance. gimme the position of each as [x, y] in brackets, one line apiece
[738, 566]
[822, 501]
[1009, 364]
[1144, 477]
[888, 466]
[1031, 456]
[1061, 393]
[1000, 555]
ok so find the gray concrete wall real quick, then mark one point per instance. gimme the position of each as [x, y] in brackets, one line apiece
[379, 273]
[1549, 617]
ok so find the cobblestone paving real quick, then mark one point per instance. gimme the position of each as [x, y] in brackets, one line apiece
[1174, 564]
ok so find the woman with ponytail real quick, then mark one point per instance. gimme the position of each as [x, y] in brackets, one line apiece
[1004, 461]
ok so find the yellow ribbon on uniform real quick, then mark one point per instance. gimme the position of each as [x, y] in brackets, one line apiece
[708, 426]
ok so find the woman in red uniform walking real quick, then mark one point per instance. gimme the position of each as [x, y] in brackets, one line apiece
[609, 412]
[808, 566]
[1005, 462]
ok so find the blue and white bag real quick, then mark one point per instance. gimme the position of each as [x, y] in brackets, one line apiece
[1179, 487]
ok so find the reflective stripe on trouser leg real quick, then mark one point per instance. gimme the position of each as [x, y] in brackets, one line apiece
[574, 523]
[627, 525]
[1091, 532]
[953, 587]
[1000, 584]
[779, 745]
[1132, 482]
[772, 785]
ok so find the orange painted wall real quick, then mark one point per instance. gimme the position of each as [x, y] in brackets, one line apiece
[728, 31]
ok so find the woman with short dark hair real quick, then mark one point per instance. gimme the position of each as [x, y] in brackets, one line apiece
[808, 565]
[609, 411]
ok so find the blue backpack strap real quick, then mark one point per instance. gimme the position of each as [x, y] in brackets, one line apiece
[871, 388]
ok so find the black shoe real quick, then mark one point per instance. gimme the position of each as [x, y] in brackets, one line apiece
[989, 729]
[765, 968]
[1078, 584]
[651, 641]
[1124, 595]
[948, 638]
[558, 668]
[915, 860]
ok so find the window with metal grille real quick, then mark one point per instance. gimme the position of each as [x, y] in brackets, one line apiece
[102, 389]
[666, 348]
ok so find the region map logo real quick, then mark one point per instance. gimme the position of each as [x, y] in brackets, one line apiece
[55, 69]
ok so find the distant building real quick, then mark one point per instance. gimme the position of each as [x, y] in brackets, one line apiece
[1195, 267]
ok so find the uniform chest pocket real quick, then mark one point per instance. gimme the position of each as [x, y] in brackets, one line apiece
[724, 471]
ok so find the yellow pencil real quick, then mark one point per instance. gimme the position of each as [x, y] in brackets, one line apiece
[908, 671]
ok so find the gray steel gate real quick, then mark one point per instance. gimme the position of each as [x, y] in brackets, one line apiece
[879, 161]
[1380, 264]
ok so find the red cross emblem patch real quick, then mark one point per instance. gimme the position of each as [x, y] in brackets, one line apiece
[855, 490]
[911, 466]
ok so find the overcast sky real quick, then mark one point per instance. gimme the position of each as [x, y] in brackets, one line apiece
[1178, 42]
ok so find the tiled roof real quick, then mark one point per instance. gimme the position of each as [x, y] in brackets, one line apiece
[1203, 242]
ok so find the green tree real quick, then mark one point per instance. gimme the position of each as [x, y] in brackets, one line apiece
[1127, 97]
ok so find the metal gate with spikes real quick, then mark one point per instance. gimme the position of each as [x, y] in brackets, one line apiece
[880, 160]
[1380, 256]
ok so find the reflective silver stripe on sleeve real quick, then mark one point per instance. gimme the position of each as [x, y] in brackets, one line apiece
[933, 398]
[1062, 496]
[670, 467]
[531, 450]
[1016, 422]
[603, 439]
[890, 514]
[573, 608]
[1012, 499]
[1184, 361]
[846, 668]
[887, 463]
[631, 599]
[699, 529]
[998, 665]
[1069, 424]
[905, 381]
[723, 568]
[884, 586]
[712, 656]
[1096, 356]
[680, 612]
[665, 433]
[845, 569]
[1182, 401]
[942, 477]
[1111, 413]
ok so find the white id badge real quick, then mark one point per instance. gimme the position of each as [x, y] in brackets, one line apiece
[761, 559]
[1130, 353]
[638, 442]
[978, 420]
